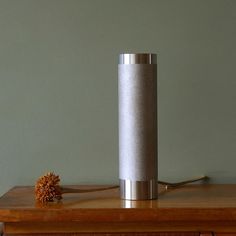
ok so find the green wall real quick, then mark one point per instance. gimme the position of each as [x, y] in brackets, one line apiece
[58, 86]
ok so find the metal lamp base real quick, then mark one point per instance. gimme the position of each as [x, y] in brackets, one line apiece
[138, 190]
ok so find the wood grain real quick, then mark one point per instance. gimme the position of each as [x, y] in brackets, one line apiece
[113, 234]
[189, 209]
[101, 227]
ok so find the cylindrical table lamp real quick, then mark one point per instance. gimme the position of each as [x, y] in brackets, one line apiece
[137, 75]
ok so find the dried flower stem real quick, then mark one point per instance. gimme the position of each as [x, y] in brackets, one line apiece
[74, 190]
[47, 187]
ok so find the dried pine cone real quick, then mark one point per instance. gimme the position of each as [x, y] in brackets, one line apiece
[47, 188]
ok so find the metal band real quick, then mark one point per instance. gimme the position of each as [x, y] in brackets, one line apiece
[137, 58]
[138, 190]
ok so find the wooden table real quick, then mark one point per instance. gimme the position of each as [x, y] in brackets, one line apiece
[189, 210]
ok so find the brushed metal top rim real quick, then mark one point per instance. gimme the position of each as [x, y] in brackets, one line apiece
[137, 58]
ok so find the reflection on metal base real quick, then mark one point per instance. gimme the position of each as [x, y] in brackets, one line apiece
[138, 190]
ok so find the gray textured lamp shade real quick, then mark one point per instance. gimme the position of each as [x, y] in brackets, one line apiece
[137, 75]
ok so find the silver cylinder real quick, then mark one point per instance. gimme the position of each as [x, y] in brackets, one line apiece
[137, 79]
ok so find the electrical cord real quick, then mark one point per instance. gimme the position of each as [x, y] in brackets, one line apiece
[47, 187]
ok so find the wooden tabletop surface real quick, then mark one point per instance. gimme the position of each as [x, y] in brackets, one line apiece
[190, 203]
